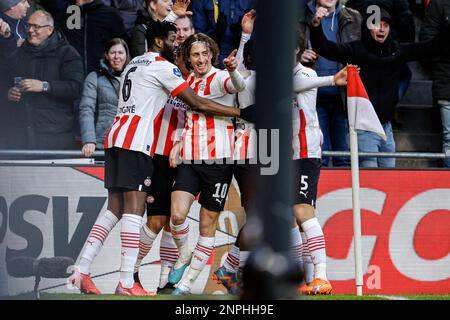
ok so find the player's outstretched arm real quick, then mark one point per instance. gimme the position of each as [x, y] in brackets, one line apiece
[302, 84]
[203, 105]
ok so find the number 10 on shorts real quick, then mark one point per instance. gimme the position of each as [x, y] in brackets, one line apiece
[221, 192]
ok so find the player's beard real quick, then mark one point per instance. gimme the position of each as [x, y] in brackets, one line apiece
[167, 53]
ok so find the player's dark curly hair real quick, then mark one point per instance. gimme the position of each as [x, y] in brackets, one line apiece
[200, 37]
[157, 29]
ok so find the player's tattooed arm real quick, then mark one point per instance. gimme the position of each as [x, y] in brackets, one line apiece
[207, 106]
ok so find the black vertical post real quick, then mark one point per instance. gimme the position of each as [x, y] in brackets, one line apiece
[268, 274]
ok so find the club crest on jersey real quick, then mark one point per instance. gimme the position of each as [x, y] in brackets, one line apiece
[147, 182]
[177, 72]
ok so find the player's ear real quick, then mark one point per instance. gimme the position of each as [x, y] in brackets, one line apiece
[159, 43]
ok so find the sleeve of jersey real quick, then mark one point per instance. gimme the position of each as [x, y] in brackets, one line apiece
[170, 77]
[303, 83]
[230, 84]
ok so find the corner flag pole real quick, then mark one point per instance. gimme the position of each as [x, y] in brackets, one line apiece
[356, 210]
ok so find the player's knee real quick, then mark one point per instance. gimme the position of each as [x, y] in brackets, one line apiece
[303, 212]
[177, 215]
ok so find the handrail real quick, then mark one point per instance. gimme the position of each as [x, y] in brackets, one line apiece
[54, 154]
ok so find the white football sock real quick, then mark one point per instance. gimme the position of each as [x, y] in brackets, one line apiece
[94, 243]
[168, 253]
[200, 257]
[231, 264]
[296, 247]
[316, 246]
[180, 234]
[147, 237]
[308, 265]
[129, 236]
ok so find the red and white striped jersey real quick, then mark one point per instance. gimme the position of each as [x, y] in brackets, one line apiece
[172, 126]
[208, 137]
[245, 137]
[307, 137]
[146, 84]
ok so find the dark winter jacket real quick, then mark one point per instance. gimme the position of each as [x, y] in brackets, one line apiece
[98, 106]
[381, 64]
[46, 113]
[138, 44]
[99, 24]
[128, 10]
[436, 16]
[403, 27]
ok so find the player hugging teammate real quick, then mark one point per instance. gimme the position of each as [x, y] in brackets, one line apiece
[179, 144]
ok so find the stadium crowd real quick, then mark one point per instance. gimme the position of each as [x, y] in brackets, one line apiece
[67, 74]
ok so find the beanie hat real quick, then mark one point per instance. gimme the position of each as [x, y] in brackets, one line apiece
[5, 5]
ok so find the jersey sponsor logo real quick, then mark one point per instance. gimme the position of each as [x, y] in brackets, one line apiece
[219, 201]
[141, 61]
[177, 72]
[177, 103]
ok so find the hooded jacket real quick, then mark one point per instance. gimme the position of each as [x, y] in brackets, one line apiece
[98, 106]
[381, 64]
[51, 113]
[403, 26]
[8, 46]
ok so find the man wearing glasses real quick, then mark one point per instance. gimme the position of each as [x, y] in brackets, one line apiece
[45, 76]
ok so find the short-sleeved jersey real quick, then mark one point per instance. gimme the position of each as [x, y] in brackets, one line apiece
[245, 137]
[146, 84]
[307, 137]
[207, 137]
[172, 125]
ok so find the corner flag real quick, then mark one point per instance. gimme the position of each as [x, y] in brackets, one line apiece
[361, 114]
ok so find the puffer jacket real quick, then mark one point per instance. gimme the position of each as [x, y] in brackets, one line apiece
[98, 106]
[49, 113]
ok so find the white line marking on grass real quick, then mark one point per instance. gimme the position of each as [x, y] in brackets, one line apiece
[391, 297]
